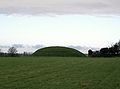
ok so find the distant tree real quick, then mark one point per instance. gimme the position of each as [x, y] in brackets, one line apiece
[90, 52]
[112, 51]
[104, 51]
[119, 47]
[119, 44]
[26, 54]
[12, 51]
[116, 48]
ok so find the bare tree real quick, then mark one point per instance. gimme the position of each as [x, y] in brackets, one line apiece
[12, 51]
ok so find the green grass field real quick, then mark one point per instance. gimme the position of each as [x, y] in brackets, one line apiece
[59, 73]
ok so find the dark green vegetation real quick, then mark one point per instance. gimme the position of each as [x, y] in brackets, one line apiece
[59, 73]
[58, 52]
[113, 51]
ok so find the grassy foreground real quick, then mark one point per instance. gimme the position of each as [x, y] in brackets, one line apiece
[59, 73]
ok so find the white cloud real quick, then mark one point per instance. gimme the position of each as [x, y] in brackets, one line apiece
[31, 7]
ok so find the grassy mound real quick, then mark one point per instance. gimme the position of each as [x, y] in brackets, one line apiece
[58, 52]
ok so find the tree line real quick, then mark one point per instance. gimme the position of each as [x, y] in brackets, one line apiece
[12, 52]
[112, 51]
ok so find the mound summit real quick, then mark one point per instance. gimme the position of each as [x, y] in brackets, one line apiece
[58, 51]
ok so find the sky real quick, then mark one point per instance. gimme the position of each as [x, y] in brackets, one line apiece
[90, 23]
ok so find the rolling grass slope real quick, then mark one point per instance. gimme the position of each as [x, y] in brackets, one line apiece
[59, 73]
[58, 51]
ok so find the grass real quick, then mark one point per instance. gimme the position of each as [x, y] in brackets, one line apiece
[59, 73]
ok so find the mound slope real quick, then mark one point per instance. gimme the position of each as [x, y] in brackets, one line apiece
[58, 51]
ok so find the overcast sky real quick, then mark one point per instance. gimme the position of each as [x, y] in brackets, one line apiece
[94, 23]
